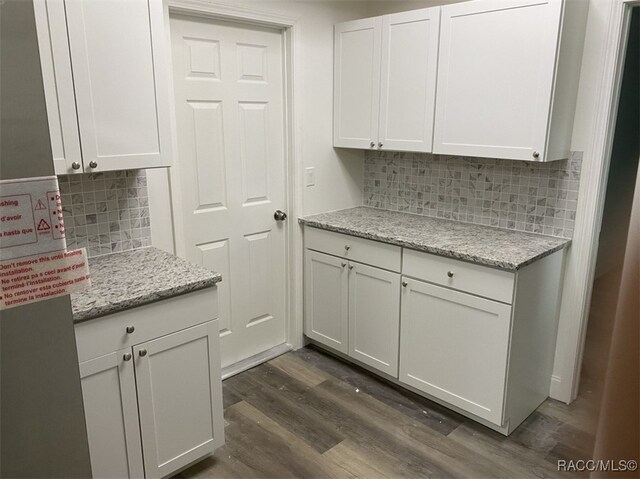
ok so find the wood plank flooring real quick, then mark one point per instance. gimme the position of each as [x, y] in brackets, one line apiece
[307, 414]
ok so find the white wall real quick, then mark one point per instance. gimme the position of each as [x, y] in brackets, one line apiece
[338, 172]
[591, 81]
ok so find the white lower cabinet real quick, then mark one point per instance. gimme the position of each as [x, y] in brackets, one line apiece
[476, 339]
[354, 309]
[154, 406]
[178, 379]
[326, 300]
[374, 302]
[111, 412]
[454, 346]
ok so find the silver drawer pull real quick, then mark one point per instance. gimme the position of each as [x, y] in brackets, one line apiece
[347, 247]
[343, 264]
[127, 356]
[142, 352]
[130, 329]
[405, 284]
[350, 266]
[450, 274]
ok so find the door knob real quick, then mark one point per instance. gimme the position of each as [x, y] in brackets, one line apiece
[280, 215]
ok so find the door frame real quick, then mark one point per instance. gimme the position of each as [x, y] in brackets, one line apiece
[205, 9]
[580, 269]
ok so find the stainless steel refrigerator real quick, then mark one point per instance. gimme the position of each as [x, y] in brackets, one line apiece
[42, 426]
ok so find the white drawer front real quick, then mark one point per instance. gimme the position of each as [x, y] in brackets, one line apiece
[378, 254]
[103, 335]
[470, 278]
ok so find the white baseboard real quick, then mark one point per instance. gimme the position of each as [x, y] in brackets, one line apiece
[556, 391]
[256, 360]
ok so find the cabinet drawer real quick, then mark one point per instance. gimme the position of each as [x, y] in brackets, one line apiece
[378, 254]
[471, 278]
[100, 336]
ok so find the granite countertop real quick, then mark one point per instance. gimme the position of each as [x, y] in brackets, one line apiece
[125, 280]
[496, 247]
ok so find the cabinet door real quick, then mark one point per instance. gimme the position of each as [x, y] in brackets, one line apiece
[356, 83]
[326, 303]
[120, 78]
[180, 398]
[495, 78]
[111, 412]
[454, 346]
[374, 317]
[53, 43]
[408, 79]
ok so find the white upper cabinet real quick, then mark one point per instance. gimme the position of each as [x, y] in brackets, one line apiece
[484, 78]
[357, 83]
[51, 24]
[507, 78]
[106, 83]
[408, 80]
[384, 81]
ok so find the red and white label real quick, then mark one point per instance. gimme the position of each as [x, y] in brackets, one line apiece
[30, 217]
[45, 276]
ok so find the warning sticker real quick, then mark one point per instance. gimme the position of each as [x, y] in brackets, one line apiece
[30, 217]
[46, 276]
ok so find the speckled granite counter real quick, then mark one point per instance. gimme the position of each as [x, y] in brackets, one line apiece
[499, 248]
[124, 280]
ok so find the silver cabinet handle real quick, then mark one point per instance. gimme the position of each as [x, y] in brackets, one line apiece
[380, 145]
[93, 164]
[127, 356]
[350, 266]
[536, 154]
[450, 274]
[130, 329]
[343, 264]
[75, 165]
[142, 352]
[373, 143]
[347, 247]
[405, 284]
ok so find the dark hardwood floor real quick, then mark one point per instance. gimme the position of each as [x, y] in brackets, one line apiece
[307, 414]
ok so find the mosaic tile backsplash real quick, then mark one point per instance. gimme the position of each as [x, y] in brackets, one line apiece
[534, 197]
[106, 212]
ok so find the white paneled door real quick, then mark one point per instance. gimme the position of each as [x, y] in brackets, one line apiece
[228, 81]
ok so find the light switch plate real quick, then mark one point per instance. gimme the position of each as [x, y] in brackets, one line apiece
[310, 176]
